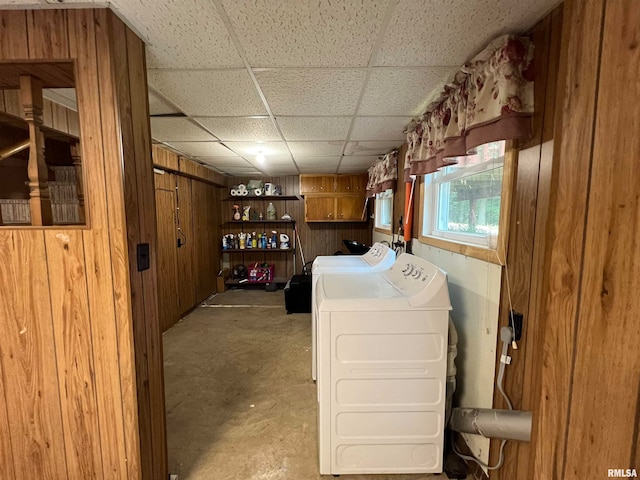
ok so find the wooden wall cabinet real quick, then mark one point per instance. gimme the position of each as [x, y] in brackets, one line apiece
[351, 208]
[314, 184]
[319, 209]
[334, 198]
[351, 183]
[335, 208]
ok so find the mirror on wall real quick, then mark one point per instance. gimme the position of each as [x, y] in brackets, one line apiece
[40, 155]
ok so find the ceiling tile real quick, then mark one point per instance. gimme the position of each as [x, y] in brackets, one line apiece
[223, 161]
[358, 163]
[181, 34]
[201, 149]
[157, 106]
[315, 170]
[251, 149]
[242, 171]
[352, 169]
[209, 93]
[166, 129]
[241, 129]
[315, 149]
[318, 164]
[311, 92]
[305, 33]
[271, 166]
[281, 172]
[314, 128]
[379, 128]
[371, 148]
[433, 32]
[402, 92]
[319, 161]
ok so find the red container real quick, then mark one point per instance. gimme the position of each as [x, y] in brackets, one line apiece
[261, 273]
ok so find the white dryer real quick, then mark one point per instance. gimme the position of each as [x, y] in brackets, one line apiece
[382, 366]
[378, 258]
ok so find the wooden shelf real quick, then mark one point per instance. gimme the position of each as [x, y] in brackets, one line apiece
[249, 250]
[236, 282]
[264, 197]
[240, 222]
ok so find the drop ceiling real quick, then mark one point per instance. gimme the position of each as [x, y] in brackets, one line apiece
[316, 86]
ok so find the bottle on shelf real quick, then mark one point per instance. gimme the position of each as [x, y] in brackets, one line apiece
[271, 212]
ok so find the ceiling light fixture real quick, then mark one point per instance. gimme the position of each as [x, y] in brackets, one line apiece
[260, 157]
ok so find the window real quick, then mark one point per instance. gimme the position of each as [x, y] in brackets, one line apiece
[462, 202]
[384, 210]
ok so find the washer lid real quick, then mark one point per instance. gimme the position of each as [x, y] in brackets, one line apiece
[352, 287]
[378, 258]
[340, 261]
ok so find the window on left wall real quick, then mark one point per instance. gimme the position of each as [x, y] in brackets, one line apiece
[384, 210]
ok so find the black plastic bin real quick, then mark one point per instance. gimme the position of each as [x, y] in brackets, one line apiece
[297, 294]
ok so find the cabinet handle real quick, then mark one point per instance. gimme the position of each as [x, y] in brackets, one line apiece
[330, 215]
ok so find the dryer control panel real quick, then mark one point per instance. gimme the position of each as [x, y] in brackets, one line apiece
[379, 253]
[422, 282]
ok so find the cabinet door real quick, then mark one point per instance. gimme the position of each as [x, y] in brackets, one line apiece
[351, 183]
[167, 258]
[350, 208]
[319, 209]
[316, 184]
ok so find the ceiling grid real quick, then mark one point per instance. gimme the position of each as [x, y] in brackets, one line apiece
[321, 86]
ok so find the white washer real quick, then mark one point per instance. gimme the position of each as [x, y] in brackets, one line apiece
[382, 363]
[378, 258]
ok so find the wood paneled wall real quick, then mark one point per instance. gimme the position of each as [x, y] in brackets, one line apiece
[590, 414]
[81, 394]
[187, 274]
[529, 210]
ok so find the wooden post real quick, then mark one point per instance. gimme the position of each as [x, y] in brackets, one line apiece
[32, 103]
[77, 163]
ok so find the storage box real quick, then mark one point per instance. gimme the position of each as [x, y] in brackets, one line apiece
[222, 277]
[261, 273]
[297, 294]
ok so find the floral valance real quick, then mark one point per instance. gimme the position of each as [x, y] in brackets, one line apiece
[490, 99]
[383, 174]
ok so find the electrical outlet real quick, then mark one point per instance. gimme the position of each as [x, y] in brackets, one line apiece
[516, 321]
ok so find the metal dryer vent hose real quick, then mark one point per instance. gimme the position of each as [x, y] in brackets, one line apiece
[490, 423]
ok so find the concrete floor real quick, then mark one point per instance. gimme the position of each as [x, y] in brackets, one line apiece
[240, 400]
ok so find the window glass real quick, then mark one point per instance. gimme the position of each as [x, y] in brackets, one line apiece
[462, 201]
[384, 209]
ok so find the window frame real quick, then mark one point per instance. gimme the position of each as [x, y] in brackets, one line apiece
[383, 228]
[497, 255]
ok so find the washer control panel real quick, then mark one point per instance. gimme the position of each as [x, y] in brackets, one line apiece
[413, 271]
